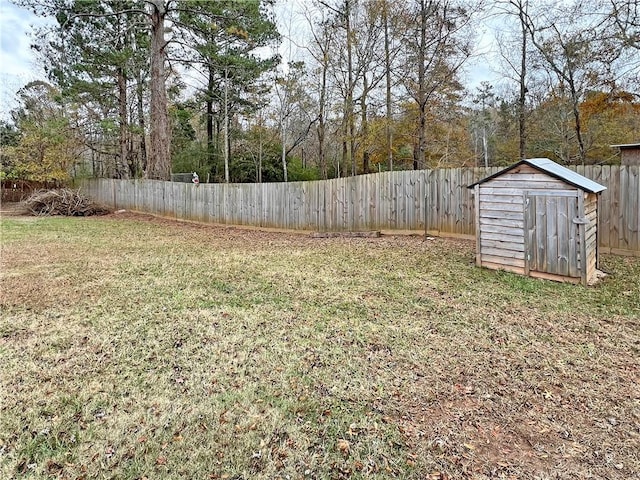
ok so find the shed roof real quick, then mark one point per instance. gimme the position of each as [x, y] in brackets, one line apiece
[553, 169]
[624, 146]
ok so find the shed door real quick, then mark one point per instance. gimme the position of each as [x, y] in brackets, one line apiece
[552, 221]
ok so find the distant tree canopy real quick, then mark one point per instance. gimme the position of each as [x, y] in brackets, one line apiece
[143, 88]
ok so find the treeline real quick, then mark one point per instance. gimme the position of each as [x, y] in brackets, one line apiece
[143, 88]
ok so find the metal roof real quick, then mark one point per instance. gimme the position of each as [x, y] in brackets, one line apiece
[626, 145]
[555, 170]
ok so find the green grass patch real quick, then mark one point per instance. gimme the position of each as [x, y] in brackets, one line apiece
[138, 348]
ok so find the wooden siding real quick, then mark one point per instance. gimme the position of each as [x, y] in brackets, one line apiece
[435, 200]
[618, 207]
[630, 156]
[591, 215]
[526, 223]
[551, 236]
[501, 216]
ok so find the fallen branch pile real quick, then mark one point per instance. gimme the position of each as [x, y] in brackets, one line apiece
[63, 201]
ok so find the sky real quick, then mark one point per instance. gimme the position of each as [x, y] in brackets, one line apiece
[19, 66]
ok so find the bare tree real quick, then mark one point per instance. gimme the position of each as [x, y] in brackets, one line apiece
[518, 66]
[434, 44]
[343, 72]
[159, 162]
[569, 41]
[369, 68]
[625, 16]
[321, 39]
[390, 52]
[293, 111]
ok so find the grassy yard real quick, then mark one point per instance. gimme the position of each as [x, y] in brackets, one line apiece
[133, 348]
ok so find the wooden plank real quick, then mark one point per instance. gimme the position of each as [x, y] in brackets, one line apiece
[541, 232]
[513, 215]
[555, 278]
[501, 199]
[460, 193]
[502, 207]
[501, 230]
[437, 200]
[487, 189]
[564, 225]
[590, 207]
[632, 207]
[476, 190]
[500, 260]
[582, 252]
[528, 236]
[503, 237]
[498, 252]
[554, 193]
[445, 200]
[522, 184]
[420, 194]
[552, 235]
[614, 212]
[572, 240]
[470, 219]
[623, 226]
[619, 251]
[507, 268]
[604, 224]
[516, 246]
[501, 222]
[528, 177]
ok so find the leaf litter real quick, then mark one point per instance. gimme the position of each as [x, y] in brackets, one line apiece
[138, 347]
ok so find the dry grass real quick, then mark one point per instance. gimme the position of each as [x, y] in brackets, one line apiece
[139, 348]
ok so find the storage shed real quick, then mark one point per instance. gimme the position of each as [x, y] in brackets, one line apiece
[629, 153]
[540, 219]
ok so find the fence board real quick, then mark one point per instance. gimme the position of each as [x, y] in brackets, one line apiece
[436, 201]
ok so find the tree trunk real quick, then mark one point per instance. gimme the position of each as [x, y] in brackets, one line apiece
[321, 126]
[345, 142]
[350, 127]
[260, 148]
[122, 168]
[159, 165]
[578, 123]
[365, 125]
[283, 139]
[225, 125]
[419, 152]
[387, 66]
[210, 144]
[142, 164]
[522, 130]
[485, 147]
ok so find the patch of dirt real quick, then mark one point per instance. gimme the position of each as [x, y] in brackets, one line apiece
[465, 433]
[259, 237]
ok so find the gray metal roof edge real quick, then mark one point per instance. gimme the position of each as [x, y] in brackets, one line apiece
[625, 145]
[555, 170]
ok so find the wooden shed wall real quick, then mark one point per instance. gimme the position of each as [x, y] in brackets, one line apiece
[630, 156]
[500, 242]
[591, 214]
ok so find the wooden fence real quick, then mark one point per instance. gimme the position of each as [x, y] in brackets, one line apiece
[435, 201]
